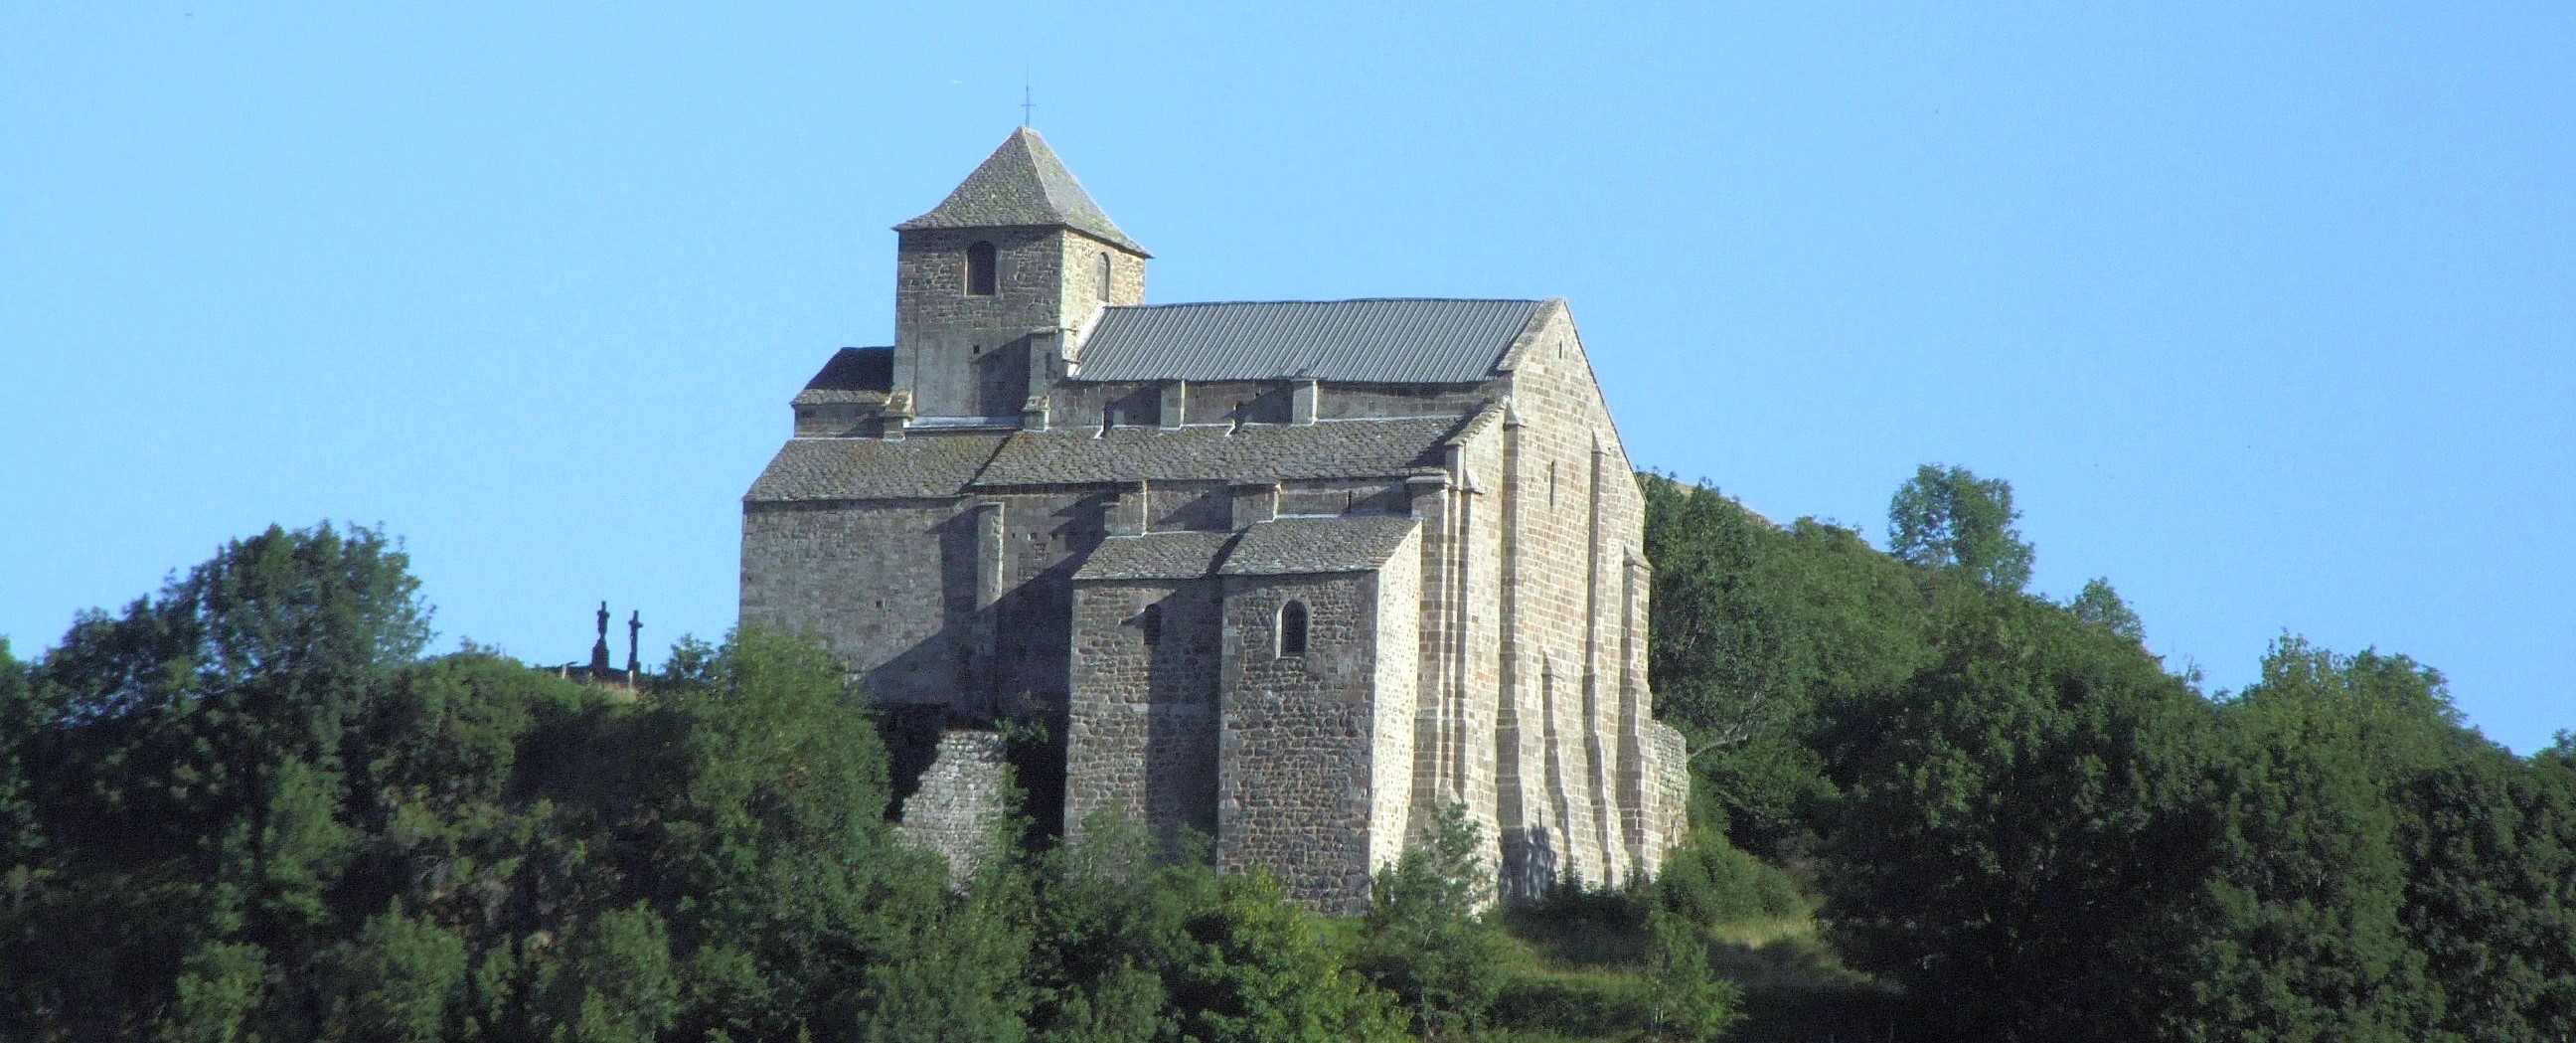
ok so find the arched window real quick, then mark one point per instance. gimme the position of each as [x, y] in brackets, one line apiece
[980, 263]
[1104, 277]
[1151, 622]
[1292, 629]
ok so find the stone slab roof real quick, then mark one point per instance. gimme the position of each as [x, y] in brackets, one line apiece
[1022, 184]
[861, 375]
[1253, 452]
[868, 469]
[1282, 547]
[1306, 546]
[1402, 341]
[1159, 555]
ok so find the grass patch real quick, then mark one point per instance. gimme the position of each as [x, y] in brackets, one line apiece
[1578, 975]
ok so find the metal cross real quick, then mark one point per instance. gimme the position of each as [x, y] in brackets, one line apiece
[1025, 104]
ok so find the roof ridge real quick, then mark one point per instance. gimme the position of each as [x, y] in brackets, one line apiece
[1338, 300]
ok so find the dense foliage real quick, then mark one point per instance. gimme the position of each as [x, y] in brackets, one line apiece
[2019, 816]
[248, 808]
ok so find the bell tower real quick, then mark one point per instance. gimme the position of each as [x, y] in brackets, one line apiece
[992, 284]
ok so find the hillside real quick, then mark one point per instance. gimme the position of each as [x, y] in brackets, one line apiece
[248, 807]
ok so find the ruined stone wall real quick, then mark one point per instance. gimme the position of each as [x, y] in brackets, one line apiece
[1298, 737]
[960, 803]
[1141, 733]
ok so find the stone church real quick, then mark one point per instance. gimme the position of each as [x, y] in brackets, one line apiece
[1291, 575]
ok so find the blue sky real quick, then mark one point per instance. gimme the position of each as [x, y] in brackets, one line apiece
[2268, 312]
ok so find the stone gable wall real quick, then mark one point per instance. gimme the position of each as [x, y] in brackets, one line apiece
[1577, 696]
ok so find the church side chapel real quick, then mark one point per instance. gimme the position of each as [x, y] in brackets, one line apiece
[1289, 575]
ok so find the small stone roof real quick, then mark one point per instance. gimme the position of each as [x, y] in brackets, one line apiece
[868, 469]
[1253, 452]
[1401, 341]
[1022, 184]
[1306, 546]
[1158, 555]
[1282, 547]
[861, 375]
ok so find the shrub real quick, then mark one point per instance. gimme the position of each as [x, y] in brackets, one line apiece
[1708, 881]
[1424, 941]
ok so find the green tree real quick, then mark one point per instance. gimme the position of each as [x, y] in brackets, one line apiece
[1690, 1001]
[183, 708]
[2302, 933]
[769, 816]
[399, 981]
[1130, 944]
[223, 991]
[1124, 1005]
[2017, 848]
[957, 977]
[613, 982]
[282, 862]
[2491, 895]
[1766, 639]
[2100, 607]
[20, 717]
[1949, 520]
[1262, 971]
[1425, 941]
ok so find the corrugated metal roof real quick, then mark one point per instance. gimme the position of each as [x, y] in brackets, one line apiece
[1407, 341]
[1021, 183]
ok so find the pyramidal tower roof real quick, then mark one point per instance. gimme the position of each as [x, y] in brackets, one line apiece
[1022, 183]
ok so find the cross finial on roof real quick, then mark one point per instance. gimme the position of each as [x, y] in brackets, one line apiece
[1026, 105]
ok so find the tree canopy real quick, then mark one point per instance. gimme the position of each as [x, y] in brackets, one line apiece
[1950, 520]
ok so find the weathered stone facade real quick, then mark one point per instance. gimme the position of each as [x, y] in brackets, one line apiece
[1289, 575]
[958, 809]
